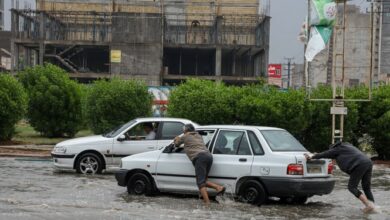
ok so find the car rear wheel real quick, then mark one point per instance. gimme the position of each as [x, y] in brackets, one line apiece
[89, 163]
[253, 192]
[139, 184]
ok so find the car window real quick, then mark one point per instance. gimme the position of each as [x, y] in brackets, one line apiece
[281, 140]
[142, 131]
[243, 148]
[207, 136]
[171, 129]
[119, 129]
[256, 146]
[228, 142]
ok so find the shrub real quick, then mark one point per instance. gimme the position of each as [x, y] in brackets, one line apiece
[54, 107]
[114, 102]
[13, 104]
[202, 101]
[375, 120]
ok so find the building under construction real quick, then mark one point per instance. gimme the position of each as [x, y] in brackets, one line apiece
[161, 42]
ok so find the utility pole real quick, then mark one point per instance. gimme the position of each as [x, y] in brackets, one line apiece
[289, 59]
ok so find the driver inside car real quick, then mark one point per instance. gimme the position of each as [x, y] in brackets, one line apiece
[149, 131]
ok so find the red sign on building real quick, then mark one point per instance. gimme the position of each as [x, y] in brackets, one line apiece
[275, 70]
[275, 74]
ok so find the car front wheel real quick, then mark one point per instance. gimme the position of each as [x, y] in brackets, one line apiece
[89, 163]
[139, 184]
[253, 192]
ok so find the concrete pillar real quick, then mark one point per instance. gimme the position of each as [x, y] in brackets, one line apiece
[234, 63]
[26, 57]
[14, 56]
[196, 63]
[218, 61]
[42, 36]
[180, 62]
[41, 53]
[14, 46]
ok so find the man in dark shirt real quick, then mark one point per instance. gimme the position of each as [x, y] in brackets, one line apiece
[356, 164]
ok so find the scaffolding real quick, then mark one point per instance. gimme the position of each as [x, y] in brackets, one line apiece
[65, 36]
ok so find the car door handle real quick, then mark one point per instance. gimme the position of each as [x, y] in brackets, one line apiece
[242, 159]
[151, 148]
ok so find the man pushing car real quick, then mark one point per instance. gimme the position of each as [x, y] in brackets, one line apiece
[201, 158]
[357, 165]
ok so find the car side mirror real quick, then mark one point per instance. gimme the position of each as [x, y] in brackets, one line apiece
[121, 138]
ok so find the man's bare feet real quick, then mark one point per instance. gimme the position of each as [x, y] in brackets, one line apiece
[369, 209]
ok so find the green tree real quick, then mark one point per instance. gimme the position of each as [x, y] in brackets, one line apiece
[114, 102]
[13, 104]
[54, 107]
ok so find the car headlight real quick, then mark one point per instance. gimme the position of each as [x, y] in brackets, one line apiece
[59, 150]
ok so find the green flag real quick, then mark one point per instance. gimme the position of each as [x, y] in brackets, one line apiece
[320, 36]
[322, 12]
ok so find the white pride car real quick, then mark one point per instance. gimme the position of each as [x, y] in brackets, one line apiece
[90, 155]
[254, 163]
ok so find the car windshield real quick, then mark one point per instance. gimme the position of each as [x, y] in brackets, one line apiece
[118, 129]
[280, 140]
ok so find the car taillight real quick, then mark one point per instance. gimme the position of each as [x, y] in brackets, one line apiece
[295, 169]
[330, 168]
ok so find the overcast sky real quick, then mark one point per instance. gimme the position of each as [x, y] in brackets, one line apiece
[287, 17]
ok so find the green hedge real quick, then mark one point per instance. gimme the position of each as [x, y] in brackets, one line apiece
[272, 107]
[375, 120]
[54, 107]
[13, 104]
[114, 102]
[208, 102]
[202, 101]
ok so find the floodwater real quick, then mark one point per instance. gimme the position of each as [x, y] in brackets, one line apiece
[30, 189]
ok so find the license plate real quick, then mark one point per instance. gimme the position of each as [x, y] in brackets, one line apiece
[314, 170]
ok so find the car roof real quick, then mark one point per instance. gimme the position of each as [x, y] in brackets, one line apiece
[247, 127]
[164, 119]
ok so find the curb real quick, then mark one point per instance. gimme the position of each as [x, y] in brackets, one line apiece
[24, 155]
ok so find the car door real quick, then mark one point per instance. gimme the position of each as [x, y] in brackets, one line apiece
[232, 157]
[175, 172]
[134, 141]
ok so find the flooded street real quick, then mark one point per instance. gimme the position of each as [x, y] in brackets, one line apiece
[29, 189]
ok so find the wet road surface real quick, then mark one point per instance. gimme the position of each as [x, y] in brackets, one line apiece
[30, 189]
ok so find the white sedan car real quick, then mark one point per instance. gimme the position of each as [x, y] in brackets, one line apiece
[254, 163]
[90, 155]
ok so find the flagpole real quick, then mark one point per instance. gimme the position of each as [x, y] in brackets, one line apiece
[307, 39]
